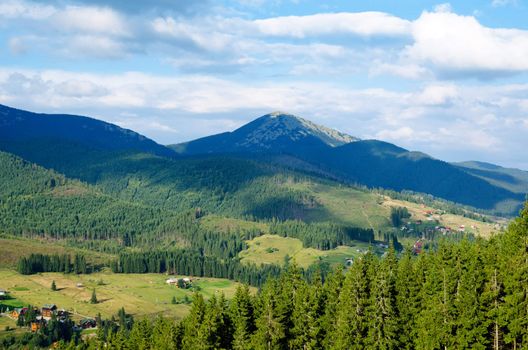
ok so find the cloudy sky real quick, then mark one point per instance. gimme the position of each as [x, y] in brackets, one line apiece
[448, 79]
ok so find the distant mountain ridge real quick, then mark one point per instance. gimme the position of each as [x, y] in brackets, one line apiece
[19, 126]
[369, 162]
[515, 180]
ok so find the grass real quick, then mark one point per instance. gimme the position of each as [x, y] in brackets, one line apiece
[12, 248]
[273, 249]
[418, 212]
[346, 205]
[139, 294]
[13, 329]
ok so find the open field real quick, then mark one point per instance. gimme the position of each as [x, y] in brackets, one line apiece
[12, 248]
[346, 205]
[139, 294]
[272, 249]
[418, 212]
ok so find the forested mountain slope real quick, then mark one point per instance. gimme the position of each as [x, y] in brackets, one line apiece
[514, 180]
[20, 128]
[37, 201]
[367, 162]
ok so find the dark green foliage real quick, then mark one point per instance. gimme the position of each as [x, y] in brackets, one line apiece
[397, 214]
[190, 263]
[322, 236]
[53, 286]
[464, 295]
[48, 263]
[93, 298]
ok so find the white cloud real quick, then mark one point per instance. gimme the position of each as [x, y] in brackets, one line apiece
[17, 46]
[404, 70]
[87, 19]
[460, 43]
[403, 133]
[435, 95]
[445, 7]
[80, 88]
[360, 23]
[499, 3]
[81, 46]
[25, 9]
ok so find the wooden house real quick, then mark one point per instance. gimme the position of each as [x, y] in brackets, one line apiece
[48, 310]
[17, 312]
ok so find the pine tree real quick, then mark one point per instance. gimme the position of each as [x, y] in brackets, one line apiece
[308, 308]
[383, 322]
[270, 333]
[242, 314]
[515, 269]
[351, 323]
[93, 299]
[53, 286]
[192, 337]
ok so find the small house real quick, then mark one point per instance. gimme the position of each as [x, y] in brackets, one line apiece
[3, 293]
[79, 285]
[172, 281]
[17, 312]
[48, 310]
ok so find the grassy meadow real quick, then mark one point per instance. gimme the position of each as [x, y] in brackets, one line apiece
[273, 249]
[139, 294]
[12, 248]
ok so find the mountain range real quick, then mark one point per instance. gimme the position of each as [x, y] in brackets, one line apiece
[372, 163]
[96, 151]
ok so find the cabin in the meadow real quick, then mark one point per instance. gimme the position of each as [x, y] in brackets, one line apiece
[184, 282]
[3, 293]
[172, 281]
[48, 310]
[19, 311]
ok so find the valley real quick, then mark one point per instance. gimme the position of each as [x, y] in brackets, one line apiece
[119, 219]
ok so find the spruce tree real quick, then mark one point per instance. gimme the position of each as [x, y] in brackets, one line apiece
[53, 286]
[93, 299]
[243, 317]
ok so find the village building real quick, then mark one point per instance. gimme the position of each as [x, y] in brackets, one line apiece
[3, 293]
[19, 311]
[184, 282]
[37, 324]
[48, 310]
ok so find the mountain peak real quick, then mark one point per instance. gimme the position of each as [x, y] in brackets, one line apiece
[276, 132]
[285, 126]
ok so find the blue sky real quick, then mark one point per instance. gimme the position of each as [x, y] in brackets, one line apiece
[448, 79]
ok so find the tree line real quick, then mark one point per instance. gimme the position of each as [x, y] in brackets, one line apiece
[36, 263]
[192, 263]
[321, 235]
